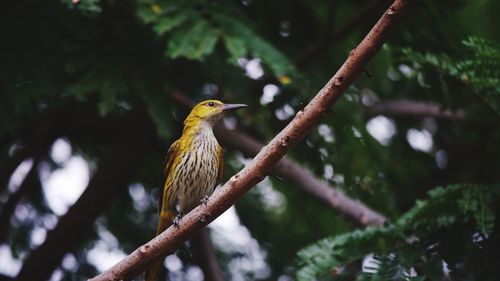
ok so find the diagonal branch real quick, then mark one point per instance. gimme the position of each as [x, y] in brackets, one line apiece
[30, 182]
[304, 179]
[301, 177]
[262, 164]
[113, 174]
[411, 108]
[37, 142]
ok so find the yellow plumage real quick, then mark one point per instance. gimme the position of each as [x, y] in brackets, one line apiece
[194, 166]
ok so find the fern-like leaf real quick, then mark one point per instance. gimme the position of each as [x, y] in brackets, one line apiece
[407, 242]
[193, 33]
[328, 253]
[193, 42]
[279, 63]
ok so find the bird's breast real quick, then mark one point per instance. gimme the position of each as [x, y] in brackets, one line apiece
[196, 174]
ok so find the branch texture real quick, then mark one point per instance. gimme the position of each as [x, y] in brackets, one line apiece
[262, 164]
[296, 174]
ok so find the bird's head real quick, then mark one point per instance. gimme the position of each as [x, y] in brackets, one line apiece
[211, 111]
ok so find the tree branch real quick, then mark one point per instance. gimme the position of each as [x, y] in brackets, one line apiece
[44, 128]
[301, 177]
[112, 176]
[412, 108]
[204, 253]
[30, 182]
[304, 179]
[37, 143]
[261, 165]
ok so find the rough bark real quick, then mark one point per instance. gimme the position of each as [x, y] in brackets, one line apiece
[299, 176]
[261, 165]
[112, 176]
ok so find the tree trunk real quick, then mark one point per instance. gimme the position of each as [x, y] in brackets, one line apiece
[109, 181]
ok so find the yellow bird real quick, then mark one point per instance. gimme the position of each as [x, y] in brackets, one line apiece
[194, 166]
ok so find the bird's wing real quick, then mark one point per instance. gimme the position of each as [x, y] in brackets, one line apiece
[172, 153]
[220, 171]
[166, 217]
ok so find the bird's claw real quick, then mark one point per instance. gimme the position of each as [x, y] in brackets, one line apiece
[204, 200]
[177, 220]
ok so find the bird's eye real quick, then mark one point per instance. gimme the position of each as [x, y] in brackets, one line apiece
[210, 104]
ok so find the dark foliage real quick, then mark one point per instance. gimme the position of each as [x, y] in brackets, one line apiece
[76, 71]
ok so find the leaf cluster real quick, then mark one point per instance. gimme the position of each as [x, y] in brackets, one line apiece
[413, 246]
[478, 70]
[193, 28]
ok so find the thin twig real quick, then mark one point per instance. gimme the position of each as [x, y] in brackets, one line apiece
[412, 108]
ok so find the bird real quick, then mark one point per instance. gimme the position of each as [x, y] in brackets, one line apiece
[193, 167]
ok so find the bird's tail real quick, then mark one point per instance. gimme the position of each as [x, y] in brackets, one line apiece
[166, 220]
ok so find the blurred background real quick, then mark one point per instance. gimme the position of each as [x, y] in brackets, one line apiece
[93, 92]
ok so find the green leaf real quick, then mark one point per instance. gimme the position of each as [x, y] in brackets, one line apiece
[169, 22]
[194, 43]
[160, 110]
[87, 7]
[270, 56]
[150, 10]
[236, 47]
[479, 70]
[397, 245]
[328, 253]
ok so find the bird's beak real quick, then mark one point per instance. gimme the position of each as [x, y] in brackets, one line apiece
[228, 107]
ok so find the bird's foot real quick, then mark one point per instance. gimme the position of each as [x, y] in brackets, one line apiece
[177, 220]
[204, 200]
